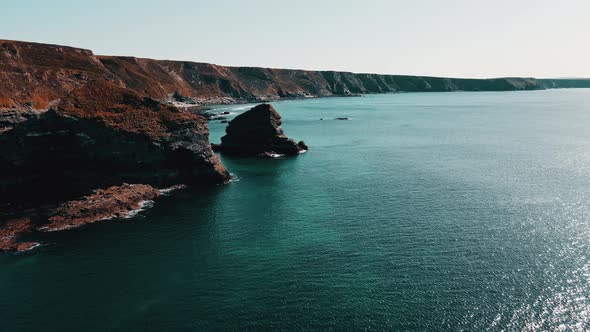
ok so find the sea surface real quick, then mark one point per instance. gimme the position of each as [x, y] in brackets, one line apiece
[424, 211]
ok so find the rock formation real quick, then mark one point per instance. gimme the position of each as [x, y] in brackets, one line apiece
[258, 132]
[10, 233]
[101, 135]
[104, 204]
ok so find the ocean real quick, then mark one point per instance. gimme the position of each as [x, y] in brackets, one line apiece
[423, 211]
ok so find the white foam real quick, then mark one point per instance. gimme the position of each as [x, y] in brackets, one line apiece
[33, 246]
[142, 206]
[180, 104]
[168, 190]
[70, 226]
[241, 108]
[302, 151]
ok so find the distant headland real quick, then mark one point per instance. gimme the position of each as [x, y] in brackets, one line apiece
[34, 76]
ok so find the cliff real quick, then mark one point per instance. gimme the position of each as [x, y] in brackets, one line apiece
[85, 149]
[35, 76]
[565, 83]
[102, 134]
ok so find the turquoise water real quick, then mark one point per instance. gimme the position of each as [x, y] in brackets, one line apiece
[425, 211]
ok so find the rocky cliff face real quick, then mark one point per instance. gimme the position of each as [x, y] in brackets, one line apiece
[32, 75]
[35, 76]
[102, 134]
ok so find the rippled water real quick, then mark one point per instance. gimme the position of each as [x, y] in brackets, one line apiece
[438, 211]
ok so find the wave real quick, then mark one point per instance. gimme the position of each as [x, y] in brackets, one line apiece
[168, 190]
[142, 206]
[241, 108]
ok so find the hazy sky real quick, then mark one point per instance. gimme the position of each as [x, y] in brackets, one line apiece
[460, 38]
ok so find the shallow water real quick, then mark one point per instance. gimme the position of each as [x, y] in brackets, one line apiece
[438, 211]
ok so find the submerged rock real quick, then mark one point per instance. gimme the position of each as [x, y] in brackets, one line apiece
[258, 132]
[102, 135]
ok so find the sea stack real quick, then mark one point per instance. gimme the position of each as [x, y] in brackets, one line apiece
[258, 132]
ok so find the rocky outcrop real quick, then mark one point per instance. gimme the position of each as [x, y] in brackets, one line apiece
[258, 132]
[10, 233]
[100, 135]
[36, 76]
[114, 202]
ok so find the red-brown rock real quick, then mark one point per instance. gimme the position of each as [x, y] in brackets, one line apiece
[35, 76]
[9, 233]
[103, 204]
[100, 135]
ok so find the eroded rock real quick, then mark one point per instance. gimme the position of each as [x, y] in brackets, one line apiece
[10, 232]
[113, 202]
[258, 132]
[102, 135]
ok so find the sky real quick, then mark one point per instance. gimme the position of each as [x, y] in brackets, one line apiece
[451, 38]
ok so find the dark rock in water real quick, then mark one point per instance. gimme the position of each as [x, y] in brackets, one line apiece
[214, 116]
[207, 115]
[341, 119]
[223, 121]
[102, 135]
[257, 132]
[302, 145]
